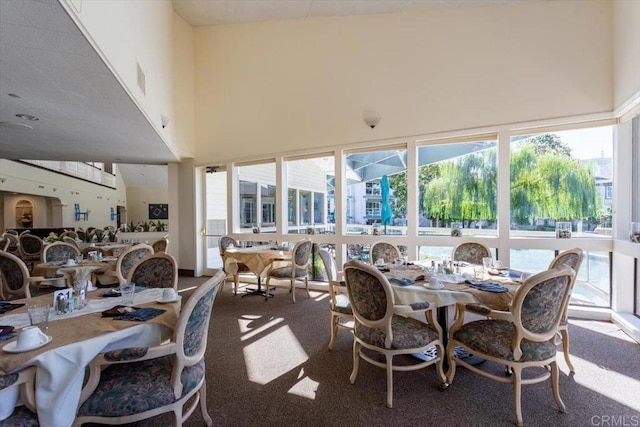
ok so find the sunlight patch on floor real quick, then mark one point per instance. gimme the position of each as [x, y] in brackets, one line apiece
[251, 332]
[320, 297]
[623, 389]
[245, 321]
[306, 387]
[273, 355]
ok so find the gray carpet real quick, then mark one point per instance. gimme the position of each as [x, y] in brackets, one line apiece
[268, 365]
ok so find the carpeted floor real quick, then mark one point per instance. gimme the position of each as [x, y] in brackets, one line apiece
[268, 365]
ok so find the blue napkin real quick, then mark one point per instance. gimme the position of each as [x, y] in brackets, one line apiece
[142, 315]
[401, 282]
[488, 287]
[515, 274]
[8, 336]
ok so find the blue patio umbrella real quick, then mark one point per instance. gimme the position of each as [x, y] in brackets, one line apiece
[385, 207]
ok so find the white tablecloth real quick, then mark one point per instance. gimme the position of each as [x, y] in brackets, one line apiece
[60, 371]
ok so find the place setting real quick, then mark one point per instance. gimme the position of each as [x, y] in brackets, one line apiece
[30, 338]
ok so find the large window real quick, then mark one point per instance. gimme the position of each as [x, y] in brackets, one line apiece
[562, 177]
[376, 191]
[310, 194]
[457, 187]
[257, 193]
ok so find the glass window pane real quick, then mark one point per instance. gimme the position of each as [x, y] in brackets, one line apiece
[457, 185]
[562, 177]
[257, 184]
[310, 183]
[365, 202]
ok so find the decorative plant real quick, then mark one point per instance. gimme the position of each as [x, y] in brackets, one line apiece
[100, 235]
[132, 227]
[112, 235]
[52, 237]
[160, 226]
[87, 237]
[146, 226]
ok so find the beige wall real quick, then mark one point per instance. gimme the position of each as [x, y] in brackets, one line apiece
[65, 192]
[148, 33]
[290, 85]
[139, 199]
[626, 51]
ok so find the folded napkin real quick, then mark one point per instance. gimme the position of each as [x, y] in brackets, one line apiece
[401, 282]
[116, 292]
[515, 274]
[488, 287]
[6, 306]
[6, 330]
[142, 315]
[7, 337]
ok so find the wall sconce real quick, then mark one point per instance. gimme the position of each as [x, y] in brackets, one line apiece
[164, 121]
[2, 179]
[371, 118]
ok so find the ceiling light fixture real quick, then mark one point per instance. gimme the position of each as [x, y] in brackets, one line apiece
[27, 117]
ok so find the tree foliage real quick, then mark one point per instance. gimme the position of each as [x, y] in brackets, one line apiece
[546, 183]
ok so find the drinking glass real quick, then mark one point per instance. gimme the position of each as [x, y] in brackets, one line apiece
[127, 291]
[39, 316]
[486, 263]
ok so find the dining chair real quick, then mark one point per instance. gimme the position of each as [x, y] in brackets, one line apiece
[521, 338]
[4, 243]
[68, 233]
[128, 258]
[22, 383]
[384, 250]
[60, 252]
[80, 215]
[159, 270]
[340, 307]
[70, 240]
[225, 242]
[471, 252]
[571, 258]
[14, 243]
[15, 276]
[129, 385]
[381, 325]
[11, 231]
[160, 245]
[31, 247]
[294, 270]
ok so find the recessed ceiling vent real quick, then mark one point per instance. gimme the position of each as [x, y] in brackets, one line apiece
[141, 80]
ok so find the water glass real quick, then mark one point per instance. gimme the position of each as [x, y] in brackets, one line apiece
[486, 263]
[127, 291]
[39, 316]
[478, 272]
[80, 290]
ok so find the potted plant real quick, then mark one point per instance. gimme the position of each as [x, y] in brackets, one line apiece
[112, 235]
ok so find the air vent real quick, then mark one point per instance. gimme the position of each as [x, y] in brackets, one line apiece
[141, 80]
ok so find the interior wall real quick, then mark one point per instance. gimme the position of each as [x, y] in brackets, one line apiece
[139, 199]
[24, 179]
[289, 85]
[626, 24]
[149, 34]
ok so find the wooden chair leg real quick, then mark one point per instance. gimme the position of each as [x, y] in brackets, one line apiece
[334, 330]
[517, 394]
[565, 348]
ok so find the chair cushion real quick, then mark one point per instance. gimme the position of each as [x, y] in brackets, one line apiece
[130, 353]
[407, 333]
[285, 272]
[342, 304]
[7, 380]
[22, 417]
[136, 387]
[494, 337]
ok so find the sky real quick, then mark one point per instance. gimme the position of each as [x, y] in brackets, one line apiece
[589, 143]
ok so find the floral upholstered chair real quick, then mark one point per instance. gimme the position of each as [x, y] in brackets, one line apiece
[24, 380]
[384, 250]
[224, 243]
[160, 245]
[59, 251]
[15, 277]
[520, 338]
[141, 383]
[157, 271]
[70, 240]
[381, 326]
[127, 259]
[340, 308]
[31, 248]
[14, 245]
[295, 270]
[471, 252]
[571, 258]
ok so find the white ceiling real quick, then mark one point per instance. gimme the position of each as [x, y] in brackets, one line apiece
[84, 113]
[216, 12]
